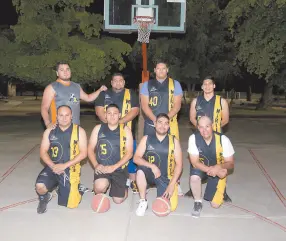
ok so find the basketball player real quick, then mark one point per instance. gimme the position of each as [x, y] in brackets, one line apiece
[159, 160]
[64, 92]
[109, 150]
[213, 106]
[211, 155]
[161, 95]
[128, 103]
[62, 150]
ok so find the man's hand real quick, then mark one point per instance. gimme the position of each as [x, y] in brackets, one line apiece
[99, 169]
[103, 88]
[59, 168]
[169, 191]
[51, 126]
[214, 170]
[109, 169]
[156, 171]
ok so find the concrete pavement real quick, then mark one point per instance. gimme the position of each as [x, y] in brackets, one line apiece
[257, 187]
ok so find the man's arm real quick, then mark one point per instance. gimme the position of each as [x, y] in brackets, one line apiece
[138, 156]
[82, 142]
[92, 146]
[45, 145]
[177, 106]
[130, 115]
[48, 95]
[145, 107]
[129, 149]
[91, 97]
[100, 112]
[193, 112]
[224, 112]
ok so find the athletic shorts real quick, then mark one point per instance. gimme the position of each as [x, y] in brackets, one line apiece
[215, 188]
[161, 184]
[132, 167]
[68, 194]
[117, 182]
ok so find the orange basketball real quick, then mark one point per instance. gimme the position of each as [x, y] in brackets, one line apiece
[161, 207]
[100, 203]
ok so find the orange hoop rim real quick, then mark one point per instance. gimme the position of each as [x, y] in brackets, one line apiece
[144, 20]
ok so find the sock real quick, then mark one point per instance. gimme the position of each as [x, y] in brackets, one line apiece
[200, 200]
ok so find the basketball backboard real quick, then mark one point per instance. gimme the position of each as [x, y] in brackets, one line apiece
[169, 15]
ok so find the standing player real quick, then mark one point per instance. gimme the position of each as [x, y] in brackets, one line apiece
[64, 92]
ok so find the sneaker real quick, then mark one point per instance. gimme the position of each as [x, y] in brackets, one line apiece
[44, 199]
[180, 191]
[133, 187]
[83, 189]
[142, 207]
[226, 198]
[197, 209]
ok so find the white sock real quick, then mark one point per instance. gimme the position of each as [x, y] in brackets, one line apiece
[199, 200]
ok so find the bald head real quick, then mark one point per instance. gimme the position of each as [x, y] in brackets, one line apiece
[204, 121]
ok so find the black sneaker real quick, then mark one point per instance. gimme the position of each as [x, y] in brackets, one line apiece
[44, 199]
[197, 209]
[83, 189]
[226, 198]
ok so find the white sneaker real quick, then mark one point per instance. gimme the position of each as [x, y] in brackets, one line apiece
[142, 207]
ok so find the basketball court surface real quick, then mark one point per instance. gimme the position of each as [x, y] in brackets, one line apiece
[257, 188]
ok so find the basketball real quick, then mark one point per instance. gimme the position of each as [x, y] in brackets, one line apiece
[161, 207]
[100, 203]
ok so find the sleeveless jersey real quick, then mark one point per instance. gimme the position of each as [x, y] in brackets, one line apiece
[68, 95]
[61, 144]
[108, 150]
[210, 154]
[161, 154]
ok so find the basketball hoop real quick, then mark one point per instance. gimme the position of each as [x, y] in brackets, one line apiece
[144, 24]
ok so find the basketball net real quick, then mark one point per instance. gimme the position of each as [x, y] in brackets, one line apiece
[144, 25]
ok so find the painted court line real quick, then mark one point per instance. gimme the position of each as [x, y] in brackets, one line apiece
[18, 204]
[265, 219]
[269, 179]
[13, 167]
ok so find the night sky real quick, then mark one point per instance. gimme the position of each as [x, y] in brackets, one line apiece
[8, 15]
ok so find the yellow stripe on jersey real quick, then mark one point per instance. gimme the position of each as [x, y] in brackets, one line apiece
[123, 143]
[174, 128]
[218, 197]
[126, 106]
[171, 157]
[217, 114]
[74, 195]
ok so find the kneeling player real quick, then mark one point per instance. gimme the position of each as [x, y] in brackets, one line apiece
[62, 149]
[159, 160]
[109, 150]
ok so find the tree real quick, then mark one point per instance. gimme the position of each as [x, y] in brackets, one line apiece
[205, 49]
[49, 31]
[259, 31]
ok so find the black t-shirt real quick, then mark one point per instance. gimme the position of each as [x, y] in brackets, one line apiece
[108, 97]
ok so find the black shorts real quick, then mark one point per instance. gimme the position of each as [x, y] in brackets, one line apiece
[215, 188]
[117, 182]
[68, 193]
[161, 182]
